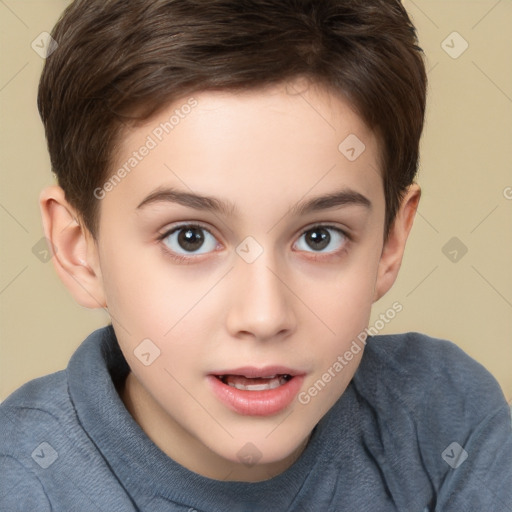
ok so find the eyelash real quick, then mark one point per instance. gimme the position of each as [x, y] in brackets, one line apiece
[192, 259]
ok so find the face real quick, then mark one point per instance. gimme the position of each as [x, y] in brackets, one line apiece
[239, 256]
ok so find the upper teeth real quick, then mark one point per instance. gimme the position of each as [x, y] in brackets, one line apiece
[274, 382]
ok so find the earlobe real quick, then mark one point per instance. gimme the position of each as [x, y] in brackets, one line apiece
[74, 251]
[394, 246]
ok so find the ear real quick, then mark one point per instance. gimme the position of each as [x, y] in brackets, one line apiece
[394, 246]
[74, 250]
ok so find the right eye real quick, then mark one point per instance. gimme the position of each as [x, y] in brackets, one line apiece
[189, 239]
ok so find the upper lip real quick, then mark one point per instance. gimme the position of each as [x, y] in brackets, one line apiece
[253, 372]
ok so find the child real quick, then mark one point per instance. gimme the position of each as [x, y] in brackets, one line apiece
[280, 137]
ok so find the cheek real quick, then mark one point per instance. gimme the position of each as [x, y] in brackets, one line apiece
[345, 307]
[347, 315]
[345, 296]
[130, 287]
[148, 296]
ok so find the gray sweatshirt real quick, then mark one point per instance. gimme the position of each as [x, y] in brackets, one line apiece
[421, 427]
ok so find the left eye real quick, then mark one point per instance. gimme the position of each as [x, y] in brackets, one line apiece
[190, 239]
[320, 237]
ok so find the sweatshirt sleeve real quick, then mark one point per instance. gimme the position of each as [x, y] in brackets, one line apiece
[466, 435]
[20, 490]
[444, 426]
[479, 471]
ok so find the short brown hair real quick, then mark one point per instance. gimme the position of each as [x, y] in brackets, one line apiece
[118, 57]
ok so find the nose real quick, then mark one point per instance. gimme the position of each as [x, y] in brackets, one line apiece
[261, 303]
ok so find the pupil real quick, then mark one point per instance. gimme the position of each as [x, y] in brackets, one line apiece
[191, 238]
[318, 238]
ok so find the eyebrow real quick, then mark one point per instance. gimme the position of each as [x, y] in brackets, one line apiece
[344, 197]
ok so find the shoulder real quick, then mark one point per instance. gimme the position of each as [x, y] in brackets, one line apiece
[415, 349]
[27, 417]
[428, 408]
[37, 403]
[48, 459]
[431, 389]
[416, 367]
[36, 409]
[46, 400]
[19, 487]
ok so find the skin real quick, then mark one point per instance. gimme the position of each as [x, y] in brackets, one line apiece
[296, 305]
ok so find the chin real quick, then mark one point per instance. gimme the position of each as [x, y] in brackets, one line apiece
[264, 449]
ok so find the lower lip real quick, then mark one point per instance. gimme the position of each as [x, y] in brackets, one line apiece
[257, 403]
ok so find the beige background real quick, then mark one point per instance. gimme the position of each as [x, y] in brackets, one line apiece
[465, 170]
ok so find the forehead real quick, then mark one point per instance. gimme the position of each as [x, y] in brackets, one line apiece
[277, 144]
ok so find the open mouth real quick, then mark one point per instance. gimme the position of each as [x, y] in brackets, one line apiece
[256, 391]
[254, 383]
